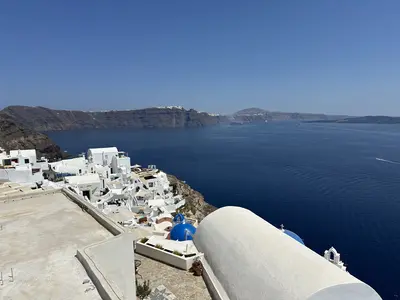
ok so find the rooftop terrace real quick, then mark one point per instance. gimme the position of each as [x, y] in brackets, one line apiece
[40, 237]
[44, 233]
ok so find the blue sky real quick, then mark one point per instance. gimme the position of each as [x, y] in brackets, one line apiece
[340, 57]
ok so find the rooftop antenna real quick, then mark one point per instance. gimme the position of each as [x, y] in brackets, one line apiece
[282, 227]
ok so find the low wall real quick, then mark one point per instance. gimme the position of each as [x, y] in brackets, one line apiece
[14, 175]
[214, 287]
[181, 262]
[22, 196]
[101, 218]
[97, 278]
[102, 285]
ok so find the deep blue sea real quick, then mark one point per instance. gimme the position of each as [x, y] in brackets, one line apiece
[333, 184]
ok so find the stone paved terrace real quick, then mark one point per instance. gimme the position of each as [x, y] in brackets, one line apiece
[39, 239]
[184, 285]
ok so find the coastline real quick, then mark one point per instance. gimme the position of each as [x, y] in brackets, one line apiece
[195, 205]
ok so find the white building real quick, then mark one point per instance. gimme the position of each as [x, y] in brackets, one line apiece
[24, 174]
[102, 156]
[29, 155]
[121, 163]
[22, 166]
[248, 258]
[87, 184]
[156, 181]
[67, 167]
[103, 171]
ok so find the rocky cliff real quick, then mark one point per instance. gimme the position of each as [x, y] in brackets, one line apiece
[195, 205]
[16, 136]
[45, 119]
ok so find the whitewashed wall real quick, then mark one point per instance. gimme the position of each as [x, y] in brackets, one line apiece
[254, 260]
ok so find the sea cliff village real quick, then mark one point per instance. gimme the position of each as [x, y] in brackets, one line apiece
[97, 227]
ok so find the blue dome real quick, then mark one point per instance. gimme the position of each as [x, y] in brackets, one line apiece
[293, 236]
[182, 232]
[179, 218]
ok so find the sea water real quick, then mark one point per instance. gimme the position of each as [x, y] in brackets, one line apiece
[333, 184]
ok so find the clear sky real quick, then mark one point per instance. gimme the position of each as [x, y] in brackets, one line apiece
[336, 56]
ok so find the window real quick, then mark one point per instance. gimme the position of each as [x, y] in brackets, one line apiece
[86, 194]
[35, 170]
[151, 184]
[27, 160]
[7, 162]
[80, 171]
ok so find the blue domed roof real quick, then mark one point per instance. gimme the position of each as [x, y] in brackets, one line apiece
[182, 232]
[179, 218]
[293, 236]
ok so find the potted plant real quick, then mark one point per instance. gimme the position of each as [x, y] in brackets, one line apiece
[159, 246]
[144, 240]
[176, 252]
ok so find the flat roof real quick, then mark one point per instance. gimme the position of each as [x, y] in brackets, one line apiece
[83, 179]
[40, 238]
[30, 152]
[101, 150]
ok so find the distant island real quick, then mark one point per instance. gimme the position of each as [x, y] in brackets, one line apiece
[254, 115]
[363, 120]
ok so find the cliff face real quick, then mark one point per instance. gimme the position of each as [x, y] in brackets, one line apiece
[45, 119]
[195, 205]
[15, 136]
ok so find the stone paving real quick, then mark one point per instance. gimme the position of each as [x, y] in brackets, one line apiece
[161, 293]
[184, 285]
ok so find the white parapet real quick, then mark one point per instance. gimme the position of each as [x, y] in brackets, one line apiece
[251, 259]
[178, 254]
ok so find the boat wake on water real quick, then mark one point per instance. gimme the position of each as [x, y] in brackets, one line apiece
[387, 161]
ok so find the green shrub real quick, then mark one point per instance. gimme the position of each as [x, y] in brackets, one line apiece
[197, 268]
[143, 290]
[144, 240]
[159, 246]
[177, 253]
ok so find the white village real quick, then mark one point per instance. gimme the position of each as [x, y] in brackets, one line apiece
[97, 227]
